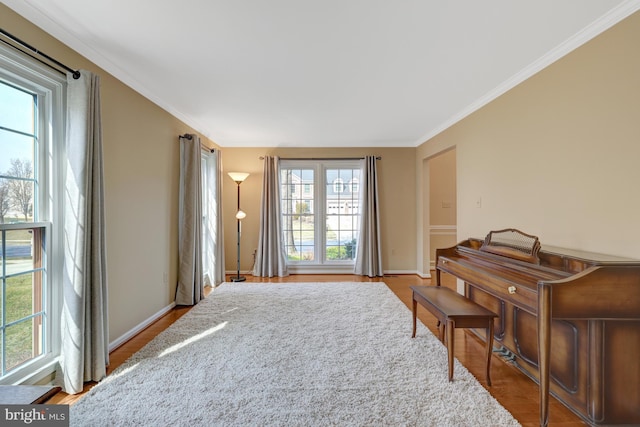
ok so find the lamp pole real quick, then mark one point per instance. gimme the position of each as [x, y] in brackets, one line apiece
[238, 177]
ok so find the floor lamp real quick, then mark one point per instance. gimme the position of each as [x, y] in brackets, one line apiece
[238, 177]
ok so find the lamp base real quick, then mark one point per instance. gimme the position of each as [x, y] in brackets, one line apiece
[238, 278]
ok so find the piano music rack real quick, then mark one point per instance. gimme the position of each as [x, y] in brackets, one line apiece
[514, 244]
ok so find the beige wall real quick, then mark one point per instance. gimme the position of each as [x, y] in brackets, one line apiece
[557, 155]
[141, 161]
[397, 194]
[442, 202]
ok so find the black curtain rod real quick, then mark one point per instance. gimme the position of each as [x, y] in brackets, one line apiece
[322, 158]
[190, 137]
[76, 73]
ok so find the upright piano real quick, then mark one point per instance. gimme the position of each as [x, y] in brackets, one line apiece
[570, 320]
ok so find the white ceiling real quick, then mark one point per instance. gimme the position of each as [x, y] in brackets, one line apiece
[312, 73]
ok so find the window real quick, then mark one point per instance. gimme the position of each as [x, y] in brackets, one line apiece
[209, 175]
[31, 129]
[320, 213]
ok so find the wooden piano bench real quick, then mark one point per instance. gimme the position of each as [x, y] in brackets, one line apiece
[453, 311]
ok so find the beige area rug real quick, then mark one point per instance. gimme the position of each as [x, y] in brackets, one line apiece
[292, 354]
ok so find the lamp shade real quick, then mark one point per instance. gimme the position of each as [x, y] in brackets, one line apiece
[240, 214]
[238, 176]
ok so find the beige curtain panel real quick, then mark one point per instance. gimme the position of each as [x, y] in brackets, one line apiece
[271, 259]
[369, 252]
[190, 288]
[85, 346]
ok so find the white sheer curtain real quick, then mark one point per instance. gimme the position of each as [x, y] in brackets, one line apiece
[190, 288]
[369, 252]
[271, 259]
[213, 250]
[85, 348]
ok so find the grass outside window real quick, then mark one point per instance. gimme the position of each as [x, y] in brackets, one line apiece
[21, 311]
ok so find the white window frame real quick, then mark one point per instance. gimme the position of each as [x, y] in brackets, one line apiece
[320, 265]
[50, 88]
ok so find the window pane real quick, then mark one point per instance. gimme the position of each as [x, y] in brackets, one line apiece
[307, 253]
[14, 146]
[17, 109]
[19, 297]
[20, 346]
[19, 200]
[18, 244]
[333, 253]
[17, 186]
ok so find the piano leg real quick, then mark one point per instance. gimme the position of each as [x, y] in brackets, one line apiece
[415, 308]
[439, 325]
[544, 347]
[489, 350]
[598, 354]
[451, 326]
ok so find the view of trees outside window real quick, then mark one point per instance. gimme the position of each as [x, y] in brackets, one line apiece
[21, 239]
[17, 151]
[16, 192]
[320, 212]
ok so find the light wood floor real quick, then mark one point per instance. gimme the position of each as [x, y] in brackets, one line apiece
[516, 392]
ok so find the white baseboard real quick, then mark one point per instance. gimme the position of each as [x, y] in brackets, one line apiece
[139, 328]
[424, 275]
[400, 272]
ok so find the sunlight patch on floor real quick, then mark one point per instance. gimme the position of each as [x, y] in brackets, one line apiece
[193, 339]
[115, 375]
